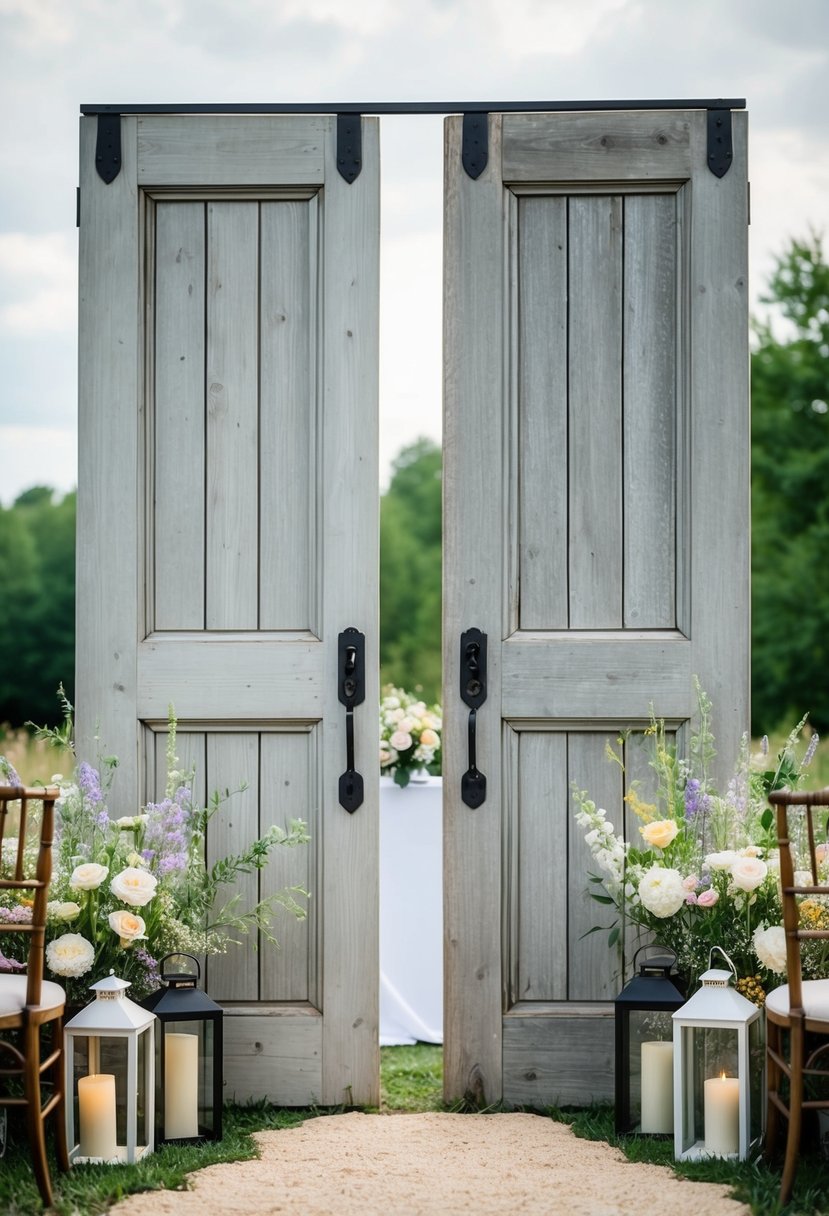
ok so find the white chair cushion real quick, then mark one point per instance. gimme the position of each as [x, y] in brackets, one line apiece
[815, 999]
[13, 994]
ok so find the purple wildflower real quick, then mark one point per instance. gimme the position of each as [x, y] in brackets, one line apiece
[18, 915]
[696, 800]
[90, 783]
[10, 964]
[810, 750]
[151, 964]
[9, 773]
[173, 861]
[167, 832]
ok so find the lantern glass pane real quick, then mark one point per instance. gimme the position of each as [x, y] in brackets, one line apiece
[109, 1054]
[188, 1082]
[651, 1070]
[710, 1053]
[756, 1078]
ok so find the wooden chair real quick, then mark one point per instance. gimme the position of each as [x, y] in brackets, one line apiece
[800, 1008]
[27, 1001]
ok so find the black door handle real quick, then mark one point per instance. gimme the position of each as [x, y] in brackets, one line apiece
[351, 689]
[473, 694]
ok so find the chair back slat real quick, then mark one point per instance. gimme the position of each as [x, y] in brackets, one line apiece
[787, 804]
[37, 882]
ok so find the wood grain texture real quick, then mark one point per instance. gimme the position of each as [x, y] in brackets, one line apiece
[607, 147]
[595, 414]
[230, 150]
[474, 294]
[542, 404]
[272, 1055]
[558, 1060]
[177, 540]
[232, 508]
[110, 415]
[650, 376]
[288, 555]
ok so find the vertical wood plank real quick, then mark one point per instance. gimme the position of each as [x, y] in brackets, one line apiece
[650, 421]
[110, 419]
[288, 780]
[473, 578]
[231, 760]
[288, 558]
[593, 968]
[232, 590]
[542, 388]
[595, 434]
[544, 802]
[349, 524]
[178, 471]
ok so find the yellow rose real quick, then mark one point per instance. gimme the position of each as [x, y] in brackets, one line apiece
[429, 738]
[128, 926]
[660, 833]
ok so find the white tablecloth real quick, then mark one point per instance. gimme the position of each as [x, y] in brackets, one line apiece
[411, 912]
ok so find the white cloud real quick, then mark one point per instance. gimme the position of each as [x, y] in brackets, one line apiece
[38, 283]
[36, 456]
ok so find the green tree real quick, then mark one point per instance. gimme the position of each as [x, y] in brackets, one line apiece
[410, 571]
[790, 493]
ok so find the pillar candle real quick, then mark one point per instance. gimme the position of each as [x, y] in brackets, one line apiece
[96, 1107]
[657, 1087]
[722, 1115]
[181, 1086]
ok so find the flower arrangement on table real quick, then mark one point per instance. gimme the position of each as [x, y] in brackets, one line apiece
[409, 735]
[705, 869]
[125, 892]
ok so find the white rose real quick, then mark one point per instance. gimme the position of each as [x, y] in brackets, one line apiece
[88, 877]
[770, 947]
[127, 925]
[407, 724]
[135, 859]
[661, 891]
[721, 861]
[62, 911]
[397, 715]
[803, 878]
[133, 886]
[748, 873]
[385, 755]
[401, 741]
[70, 955]
[391, 702]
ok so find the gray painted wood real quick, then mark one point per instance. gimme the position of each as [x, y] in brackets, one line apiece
[272, 1054]
[636, 635]
[178, 527]
[221, 150]
[615, 146]
[651, 423]
[232, 574]
[244, 680]
[595, 415]
[542, 388]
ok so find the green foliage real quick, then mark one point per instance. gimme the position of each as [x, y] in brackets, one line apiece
[790, 503]
[410, 571]
[37, 608]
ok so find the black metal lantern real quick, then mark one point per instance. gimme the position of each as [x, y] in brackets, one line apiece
[644, 1044]
[188, 1056]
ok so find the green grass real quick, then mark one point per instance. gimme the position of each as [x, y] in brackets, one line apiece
[411, 1081]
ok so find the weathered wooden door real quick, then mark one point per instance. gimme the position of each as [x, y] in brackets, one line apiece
[596, 529]
[227, 526]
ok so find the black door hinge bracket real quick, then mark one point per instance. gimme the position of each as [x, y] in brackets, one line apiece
[720, 148]
[108, 147]
[474, 148]
[349, 146]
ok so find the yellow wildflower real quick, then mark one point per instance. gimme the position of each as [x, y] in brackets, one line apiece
[646, 811]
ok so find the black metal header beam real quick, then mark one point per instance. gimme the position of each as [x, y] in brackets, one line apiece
[418, 107]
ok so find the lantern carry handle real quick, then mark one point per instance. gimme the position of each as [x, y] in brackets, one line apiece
[665, 950]
[725, 956]
[179, 954]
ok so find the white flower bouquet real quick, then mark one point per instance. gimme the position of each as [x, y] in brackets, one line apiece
[704, 870]
[409, 735]
[125, 892]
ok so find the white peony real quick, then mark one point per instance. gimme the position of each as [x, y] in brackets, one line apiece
[748, 873]
[88, 877]
[721, 861]
[401, 741]
[70, 955]
[661, 891]
[62, 911]
[127, 925]
[133, 886]
[770, 947]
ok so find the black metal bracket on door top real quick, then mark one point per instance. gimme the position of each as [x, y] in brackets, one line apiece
[349, 146]
[720, 149]
[473, 694]
[351, 689]
[108, 147]
[475, 143]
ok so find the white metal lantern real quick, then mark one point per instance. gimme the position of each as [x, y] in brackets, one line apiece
[110, 1078]
[719, 1066]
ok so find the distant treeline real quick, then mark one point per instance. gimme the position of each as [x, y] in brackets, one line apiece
[790, 538]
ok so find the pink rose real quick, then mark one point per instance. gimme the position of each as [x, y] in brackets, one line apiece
[691, 898]
[707, 899]
[691, 882]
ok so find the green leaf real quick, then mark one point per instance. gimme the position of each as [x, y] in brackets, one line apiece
[614, 936]
[766, 819]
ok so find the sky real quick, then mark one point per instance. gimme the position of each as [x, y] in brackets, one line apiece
[57, 54]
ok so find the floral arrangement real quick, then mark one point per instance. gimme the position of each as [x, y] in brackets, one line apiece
[705, 869]
[409, 735]
[125, 892]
